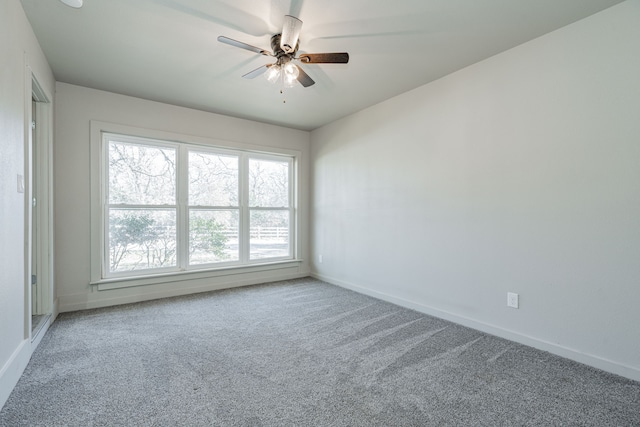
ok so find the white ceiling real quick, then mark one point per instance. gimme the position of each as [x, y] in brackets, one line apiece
[166, 50]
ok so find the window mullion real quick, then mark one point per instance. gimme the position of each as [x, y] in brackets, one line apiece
[182, 195]
[104, 179]
[293, 203]
[243, 183]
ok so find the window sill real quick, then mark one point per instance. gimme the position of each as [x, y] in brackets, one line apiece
[128, 282]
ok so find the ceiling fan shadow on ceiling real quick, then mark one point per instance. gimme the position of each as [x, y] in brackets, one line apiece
[285, 47]
[225, 15]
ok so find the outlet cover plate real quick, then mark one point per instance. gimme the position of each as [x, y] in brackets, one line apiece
[512, 300]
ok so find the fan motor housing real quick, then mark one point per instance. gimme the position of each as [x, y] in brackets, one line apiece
[277, 50]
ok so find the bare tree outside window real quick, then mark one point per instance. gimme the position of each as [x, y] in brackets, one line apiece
[173, 206]
[141, 175]
[269, 217]
[142, 212]
[213, 208]
[213, 179]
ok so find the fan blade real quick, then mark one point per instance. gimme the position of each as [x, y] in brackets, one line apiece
[280, 8]
[290, 33]
[258, 71]
[325, 58]
[241, 45]
[304, 78]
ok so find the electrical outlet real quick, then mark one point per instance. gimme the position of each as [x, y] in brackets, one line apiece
[512, 300]
[320, 258]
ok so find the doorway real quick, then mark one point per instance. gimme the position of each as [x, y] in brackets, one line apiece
[39, 203]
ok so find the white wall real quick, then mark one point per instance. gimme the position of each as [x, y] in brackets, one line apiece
[75, 107]
[520, 173]
[18, 49]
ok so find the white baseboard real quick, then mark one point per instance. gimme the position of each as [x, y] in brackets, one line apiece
[77, 302]
[13, 369]
[40, 333]
[15, 366]
[569, 353]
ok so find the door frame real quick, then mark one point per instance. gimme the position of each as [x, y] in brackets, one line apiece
[42, 190]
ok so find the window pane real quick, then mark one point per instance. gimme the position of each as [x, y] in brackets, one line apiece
[213, 236]
[268, 183]
[141, 239]
[141, 174]
[269, 234]
[213, 179]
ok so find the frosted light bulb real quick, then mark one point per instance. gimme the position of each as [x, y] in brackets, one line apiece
[291, 74]
[291, 70]
[289, 81]
[273, 74]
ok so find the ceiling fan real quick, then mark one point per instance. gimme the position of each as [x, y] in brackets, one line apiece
[285, 46]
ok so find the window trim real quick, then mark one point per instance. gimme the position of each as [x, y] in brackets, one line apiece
[98, 206]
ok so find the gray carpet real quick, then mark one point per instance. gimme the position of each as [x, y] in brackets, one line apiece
[300, 353]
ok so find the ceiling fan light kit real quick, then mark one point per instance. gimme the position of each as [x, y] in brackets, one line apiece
[288, 73]
[285, 46]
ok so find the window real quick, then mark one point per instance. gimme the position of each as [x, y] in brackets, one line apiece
[269, 215]
[214, 208]
[174, 206]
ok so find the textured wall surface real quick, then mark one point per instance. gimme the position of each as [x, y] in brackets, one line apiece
[19, 49]
[520, 173]
[75, 108]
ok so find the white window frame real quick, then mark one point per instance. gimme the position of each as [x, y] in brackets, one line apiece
[100, 274]
[188, 207]
[245, 193]
[106, 206]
